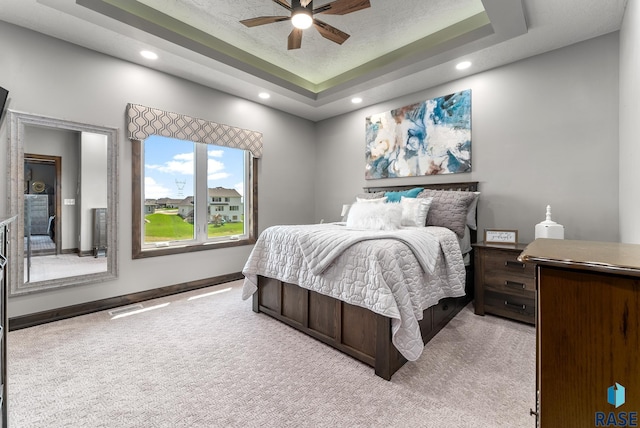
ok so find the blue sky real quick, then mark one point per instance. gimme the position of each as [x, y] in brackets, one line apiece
[169, 167]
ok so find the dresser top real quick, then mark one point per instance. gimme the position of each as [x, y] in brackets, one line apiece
[585, 255]
[482, 244]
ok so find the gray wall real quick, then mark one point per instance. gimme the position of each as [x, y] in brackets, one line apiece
[53, 78]
[544, 132]
[629, 114]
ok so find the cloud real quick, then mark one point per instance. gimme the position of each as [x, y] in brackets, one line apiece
[154, 190]
[214, 166]
[182, 163]
[218, 176]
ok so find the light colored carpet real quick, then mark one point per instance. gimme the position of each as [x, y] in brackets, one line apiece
[212, 362]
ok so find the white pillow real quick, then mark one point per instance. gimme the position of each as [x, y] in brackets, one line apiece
[414, 211]
[471, 213]
[381, 200]
[363, 215]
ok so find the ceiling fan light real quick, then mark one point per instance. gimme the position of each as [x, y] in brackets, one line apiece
[301, 18]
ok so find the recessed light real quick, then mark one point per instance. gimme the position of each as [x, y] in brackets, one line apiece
[356, 100]
[264, 95]
[463, 65]
[149, 55]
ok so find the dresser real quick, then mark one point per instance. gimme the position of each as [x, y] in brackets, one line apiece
[5, 223]
[504, 285]
[587, 332]
[36, 212]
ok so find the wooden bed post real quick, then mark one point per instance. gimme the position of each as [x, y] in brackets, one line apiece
[383, 350]
[256, 301]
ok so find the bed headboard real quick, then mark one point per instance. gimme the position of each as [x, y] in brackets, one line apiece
[466, 186]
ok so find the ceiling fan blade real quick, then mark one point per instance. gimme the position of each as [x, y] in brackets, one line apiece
[342, 7]
[262, 20]
[329, 32]
[295, 39]
[283, 4]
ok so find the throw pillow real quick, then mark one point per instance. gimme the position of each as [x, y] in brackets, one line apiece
[395, 196]
[448, 209]
[414, 211]
[364, 215]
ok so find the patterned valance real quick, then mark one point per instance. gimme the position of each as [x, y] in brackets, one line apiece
[145, 121]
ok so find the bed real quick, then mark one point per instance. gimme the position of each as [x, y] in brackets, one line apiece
[378, 296]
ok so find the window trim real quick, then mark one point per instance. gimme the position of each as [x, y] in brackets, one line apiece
[145, 121]
[137, 203]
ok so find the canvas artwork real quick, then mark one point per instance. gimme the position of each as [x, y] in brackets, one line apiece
[427, 138]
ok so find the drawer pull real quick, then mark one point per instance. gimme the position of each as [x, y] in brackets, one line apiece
[514, 284]
[511, 263]
[514, 306]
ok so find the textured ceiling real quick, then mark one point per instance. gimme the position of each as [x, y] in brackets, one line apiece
[381, 29]
[397, 47]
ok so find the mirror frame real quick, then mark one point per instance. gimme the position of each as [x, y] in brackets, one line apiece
[17, 123]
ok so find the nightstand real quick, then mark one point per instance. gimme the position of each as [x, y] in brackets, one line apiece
[504, 286]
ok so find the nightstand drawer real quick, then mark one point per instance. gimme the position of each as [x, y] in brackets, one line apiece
[506, 262]
[522, 287]
[507, 305]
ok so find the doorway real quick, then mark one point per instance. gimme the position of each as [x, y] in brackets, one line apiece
[42, 207]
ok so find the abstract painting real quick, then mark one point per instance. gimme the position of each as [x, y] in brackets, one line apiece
[427, 138]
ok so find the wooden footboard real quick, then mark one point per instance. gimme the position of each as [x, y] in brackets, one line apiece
[351, 329]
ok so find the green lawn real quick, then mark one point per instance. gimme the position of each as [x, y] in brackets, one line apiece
[163, 227]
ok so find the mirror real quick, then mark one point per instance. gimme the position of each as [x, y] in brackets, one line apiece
[62, 186]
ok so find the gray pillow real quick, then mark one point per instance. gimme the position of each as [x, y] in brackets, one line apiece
[448, 208]
[374, 195]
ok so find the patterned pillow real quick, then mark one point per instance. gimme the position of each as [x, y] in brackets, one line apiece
[373, 195]
[448, 209]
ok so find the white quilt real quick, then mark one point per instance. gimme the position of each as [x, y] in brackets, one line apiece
[323, 245]
[383, 275]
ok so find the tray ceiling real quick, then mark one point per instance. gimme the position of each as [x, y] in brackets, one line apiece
[396, 46]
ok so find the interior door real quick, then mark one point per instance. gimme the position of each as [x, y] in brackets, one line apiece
[42, 183]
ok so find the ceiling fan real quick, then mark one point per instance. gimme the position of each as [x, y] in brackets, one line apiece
[302, 16]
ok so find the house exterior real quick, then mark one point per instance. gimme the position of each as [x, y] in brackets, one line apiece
[227, 203]
[185, 207]
[150, 206]
[169, 202]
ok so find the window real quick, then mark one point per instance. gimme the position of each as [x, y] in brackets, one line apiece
[203, 193]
